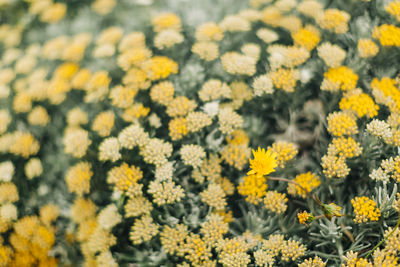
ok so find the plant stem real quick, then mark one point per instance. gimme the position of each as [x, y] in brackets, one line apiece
[383, 240]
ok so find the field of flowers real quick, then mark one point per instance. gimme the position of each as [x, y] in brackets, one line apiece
[199, 133]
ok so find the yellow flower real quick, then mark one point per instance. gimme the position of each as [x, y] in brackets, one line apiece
[313, 262]
[308, 37]
[103, 7]
[160, 67]
[367, 48]
[305, 217]
[309, 181]
[342, 123]
[394, 9]
[360, 104]
[264, 162]
[285, 151]
[209, 32]
[275, 202]
[166, 21]
[78, 178]
[387, 34]
[365, 210]
[340, 77]
[285, 79]
[177, 128]
[54, 13]
[253, 187]
[334, 20]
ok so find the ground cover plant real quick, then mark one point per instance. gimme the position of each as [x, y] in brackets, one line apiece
[199, 133]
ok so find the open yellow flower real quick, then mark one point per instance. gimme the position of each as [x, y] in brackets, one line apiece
[264, 162]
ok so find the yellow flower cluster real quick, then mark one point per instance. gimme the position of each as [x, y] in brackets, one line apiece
[78, 178]
[143, 230]
[313, 262]
[178, 128]
[48, 11]
[103, 123]
[232, 252]
[365, 209]
[165, 192]
[309, 181]
[388, 35]
[380, 258]
[214, 196]
[393, 8]
[386, 92]
[304, 217]
[342, 123]
[334, 166]
[290, 250]
[334, 20]
[124, 177]
[367, 48]
[332, 55]
[207, 51]
[275, 202]
[229, 120]
[76, 142]
[285, 79]
[345, 147]
[93, 231]
[360, 104]
[31, 239]
[285, 151]
[103, 7]
[254, 187]
[341, 77]
[136, 206]
[192, 155]
[392, 246]
[23, 144]
[308, 37]
[235, 63]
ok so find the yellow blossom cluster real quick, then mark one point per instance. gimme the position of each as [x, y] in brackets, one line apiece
[380, 258]
[254, 187]
[275, 245]
[275, 202]
[31, 239]
[387, 34]
[360, 104]
[340, 77]
[365, 209]
[285, 151]
[308, 181]
[342, 123]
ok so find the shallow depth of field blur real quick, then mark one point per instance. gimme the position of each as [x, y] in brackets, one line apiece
[199, 133]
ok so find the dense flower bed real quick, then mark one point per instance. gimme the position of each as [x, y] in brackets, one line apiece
[134, 133]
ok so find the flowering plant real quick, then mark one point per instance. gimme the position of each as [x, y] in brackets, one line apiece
[199, 133]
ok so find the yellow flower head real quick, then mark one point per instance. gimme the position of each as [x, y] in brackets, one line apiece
[394, 9]
[264, 162]
[365, 209]
[387, 34]
[253, 187]
[305, 217]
